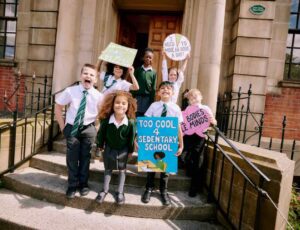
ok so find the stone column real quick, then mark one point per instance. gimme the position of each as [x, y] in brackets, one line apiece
[211, 51]
[64, 72]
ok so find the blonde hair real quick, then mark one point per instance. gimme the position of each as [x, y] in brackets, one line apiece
[194, 92]
[108, 104]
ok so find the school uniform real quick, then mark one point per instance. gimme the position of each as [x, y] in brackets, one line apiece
[110, 83]
[155, 110]
[194, 157]
[146, 78]
[117, 140]
[79, 146]
[177, 84]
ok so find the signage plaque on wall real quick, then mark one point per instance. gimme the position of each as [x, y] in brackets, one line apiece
[257, 9]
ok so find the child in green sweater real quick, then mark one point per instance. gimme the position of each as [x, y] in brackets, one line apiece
[116, 137]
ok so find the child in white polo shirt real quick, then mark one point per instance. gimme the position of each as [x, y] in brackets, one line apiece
[163, 108]
[83, 103]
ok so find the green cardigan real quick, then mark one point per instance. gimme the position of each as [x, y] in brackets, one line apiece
[108, 134]
[147, 83]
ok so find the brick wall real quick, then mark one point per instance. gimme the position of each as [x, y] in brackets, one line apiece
[287, 103]
[8, 84]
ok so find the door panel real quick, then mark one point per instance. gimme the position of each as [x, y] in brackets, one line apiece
[160, 28]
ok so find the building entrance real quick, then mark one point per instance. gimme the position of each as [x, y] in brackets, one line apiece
[141, 30]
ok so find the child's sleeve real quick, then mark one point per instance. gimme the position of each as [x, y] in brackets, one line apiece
[164, 70]
[131, 136]
[64, 98]
[101, 134]
[153, 86]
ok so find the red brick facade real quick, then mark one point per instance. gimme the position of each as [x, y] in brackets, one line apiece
[8, 85]
[288, 104]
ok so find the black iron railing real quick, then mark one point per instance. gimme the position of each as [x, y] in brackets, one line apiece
[27, 135]
[239, 123]
[218, 185]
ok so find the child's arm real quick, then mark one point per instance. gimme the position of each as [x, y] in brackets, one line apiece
[164, 67]
[135, 84]
[59, 116]
[153, 86]
[98, 65]
[180, 140]
[183, 67]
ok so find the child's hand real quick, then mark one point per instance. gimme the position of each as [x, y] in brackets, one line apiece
[179, 151]
[213, 121]
[136, 146]
[163, 53]
[131, 70]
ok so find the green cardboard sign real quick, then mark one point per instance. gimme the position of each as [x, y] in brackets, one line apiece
[119, 55]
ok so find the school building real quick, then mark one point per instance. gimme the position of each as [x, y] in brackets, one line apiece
[240, 48]
[235, 43]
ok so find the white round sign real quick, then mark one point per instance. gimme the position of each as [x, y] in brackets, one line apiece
[177, 47]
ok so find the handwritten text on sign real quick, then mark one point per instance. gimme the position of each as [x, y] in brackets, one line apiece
[157, 135]
[177, 47]
[195, 120]
[119, 55]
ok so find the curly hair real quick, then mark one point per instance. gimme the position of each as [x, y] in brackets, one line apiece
[107, 106]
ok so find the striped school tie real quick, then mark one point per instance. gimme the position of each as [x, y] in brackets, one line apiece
[78, 123]
[164, 111]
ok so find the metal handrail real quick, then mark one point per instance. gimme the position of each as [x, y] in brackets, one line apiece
[241, 155]
[12, 165]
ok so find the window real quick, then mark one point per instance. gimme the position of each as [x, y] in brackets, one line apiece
[8, 27]
[292, 60]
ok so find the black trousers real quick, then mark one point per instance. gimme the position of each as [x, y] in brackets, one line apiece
[78, 154]
[194, 148]
[163, 182]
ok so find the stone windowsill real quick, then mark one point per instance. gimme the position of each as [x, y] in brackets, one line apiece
[8, 63]
[289, 84]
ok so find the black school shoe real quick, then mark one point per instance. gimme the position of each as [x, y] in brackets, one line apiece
[101, 196]
[70, 193]
[120, 198]
[84, 190]
[165, 198]
[146, 196]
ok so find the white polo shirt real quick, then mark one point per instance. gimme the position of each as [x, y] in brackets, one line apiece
[113, 84]
[177, 84]
[156, 108]
[72, 96]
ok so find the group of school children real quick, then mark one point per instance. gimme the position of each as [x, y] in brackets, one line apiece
[116, 107]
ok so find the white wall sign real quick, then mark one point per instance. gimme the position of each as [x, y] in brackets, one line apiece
[176, 47]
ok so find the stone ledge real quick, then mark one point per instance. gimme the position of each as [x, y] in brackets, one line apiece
[289, 84]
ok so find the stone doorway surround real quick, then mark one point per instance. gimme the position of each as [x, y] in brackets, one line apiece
[86, 27]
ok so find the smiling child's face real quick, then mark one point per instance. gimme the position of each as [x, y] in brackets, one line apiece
[165, 92]
[148, 58]
[120, 105]
[88, 77]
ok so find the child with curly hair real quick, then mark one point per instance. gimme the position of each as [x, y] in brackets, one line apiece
[116, 137]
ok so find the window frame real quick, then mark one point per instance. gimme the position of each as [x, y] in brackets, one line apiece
[5, 33]
[289, 60]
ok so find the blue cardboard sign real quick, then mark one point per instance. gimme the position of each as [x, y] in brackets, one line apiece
[157, 139]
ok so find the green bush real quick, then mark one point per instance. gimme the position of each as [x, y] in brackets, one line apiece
[294, 211]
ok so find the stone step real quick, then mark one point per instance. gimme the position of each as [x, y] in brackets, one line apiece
[60, 146]
[55, 162]
[51, 188]
[23, 212]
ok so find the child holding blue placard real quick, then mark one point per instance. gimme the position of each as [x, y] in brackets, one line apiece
[194, 145]
[116, 136]
[163, 108]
